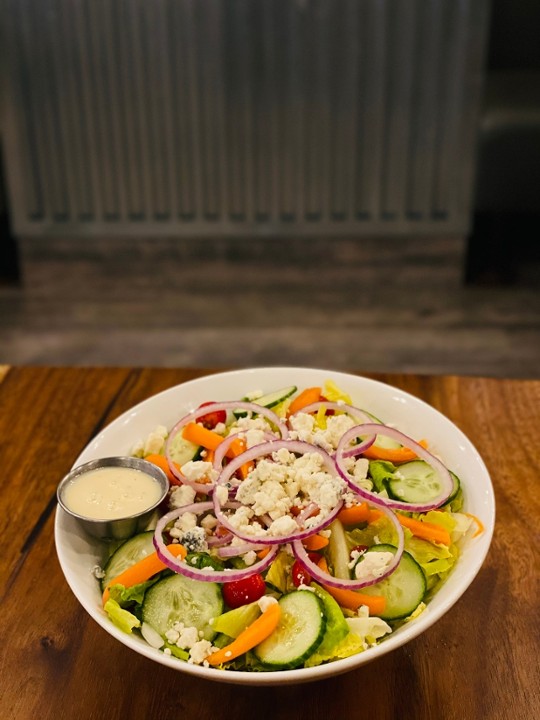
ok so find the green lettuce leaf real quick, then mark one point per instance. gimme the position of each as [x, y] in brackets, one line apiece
[123, 619]
[279, 572]
[350, 645]
[336, 625]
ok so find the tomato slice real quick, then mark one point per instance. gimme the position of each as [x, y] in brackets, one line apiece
[211, 419]
[241, 592]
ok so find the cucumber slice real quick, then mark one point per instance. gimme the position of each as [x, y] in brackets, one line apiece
[299, 633]
[456, 487]
[182, 451]
[181, 599]
[415, 482]
[127, 554]
[404, 589]
[271, 399]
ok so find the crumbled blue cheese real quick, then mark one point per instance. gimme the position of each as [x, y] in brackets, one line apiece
[199, 471]
[304, 428]
[181, 495]
[265, 601]
[249, 557]
[193, 539]
[154, 443]
[369, 629]
[278, 483]
[372, 564]
[189, 638]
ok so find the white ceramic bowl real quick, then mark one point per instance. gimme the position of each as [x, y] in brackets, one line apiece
[78, 553]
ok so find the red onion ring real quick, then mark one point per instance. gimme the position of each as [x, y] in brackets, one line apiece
[193, 416]
[235, 550]
[179, 566]
[343, 452]
[302, 555]
[294, 446]
[221, 451]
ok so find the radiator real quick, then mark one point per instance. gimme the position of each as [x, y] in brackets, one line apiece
[236, 117]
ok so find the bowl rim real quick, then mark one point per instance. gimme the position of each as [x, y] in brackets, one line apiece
[478, 547]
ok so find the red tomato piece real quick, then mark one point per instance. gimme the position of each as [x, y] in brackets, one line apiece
[212, 418]
[299, 575]
[241, 592]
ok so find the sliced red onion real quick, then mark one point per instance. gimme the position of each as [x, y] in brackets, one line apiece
[193, 416]
[218, 541]
[221, 451]
[294, 446]
[324, 578]
[369, 429]
[235, 550]
[207, 575]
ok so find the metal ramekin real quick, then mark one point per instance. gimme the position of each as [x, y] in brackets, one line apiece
[121, 528]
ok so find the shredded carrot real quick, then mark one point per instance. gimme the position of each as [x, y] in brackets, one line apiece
[306, 397]
[352, 599]
[240, 447]
[254, 634]
[315, 542]
[199, 435]
[425, 530]
[479, 524]
[162, 462]
[264, 552]
[402, 454]
[355, 514]
[143, 570]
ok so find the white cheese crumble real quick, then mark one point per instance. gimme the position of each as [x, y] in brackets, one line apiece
[265, 601]
[278, 483]
[199, 471]
[181, 495]
[373, 564]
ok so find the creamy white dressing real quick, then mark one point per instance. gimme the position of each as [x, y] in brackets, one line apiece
[110, 493]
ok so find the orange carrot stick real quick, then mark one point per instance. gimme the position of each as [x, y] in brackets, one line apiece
[479, 524]
[424, 530]
[254, 634]
[355, 514]
[402, 454]
[352, 599]
[199, 435]
[161, 462]
[143, 570]
[315, 542]
[306, 397]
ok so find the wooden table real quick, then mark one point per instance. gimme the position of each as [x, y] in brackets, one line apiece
[480, 661]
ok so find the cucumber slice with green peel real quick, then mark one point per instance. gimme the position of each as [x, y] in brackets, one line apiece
[180, 599]
[455, 488]
[182, 451]
[299, 633]
[270, 400]
[415, 482]
[127, 554]
[403, 590]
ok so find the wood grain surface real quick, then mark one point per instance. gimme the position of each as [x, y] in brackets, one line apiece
[479, 661]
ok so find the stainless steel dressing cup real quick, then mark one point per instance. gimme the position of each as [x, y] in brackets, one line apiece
[118, 528]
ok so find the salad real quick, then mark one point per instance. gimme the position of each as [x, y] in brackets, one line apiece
[299, 529]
